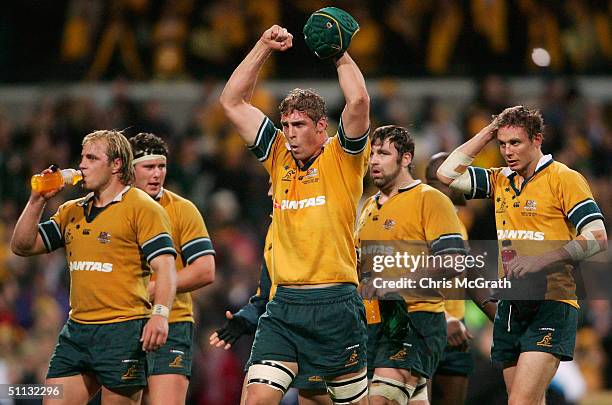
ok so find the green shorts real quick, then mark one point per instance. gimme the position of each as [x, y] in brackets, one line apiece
[419, 350]
[320, 329]
[174, 357]
[528, 326]
[112, 351]
[456, 361]
[309, 383]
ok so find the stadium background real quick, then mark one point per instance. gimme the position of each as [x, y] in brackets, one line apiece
[441, 67]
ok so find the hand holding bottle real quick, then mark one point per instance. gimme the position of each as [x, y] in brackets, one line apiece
[50, 181]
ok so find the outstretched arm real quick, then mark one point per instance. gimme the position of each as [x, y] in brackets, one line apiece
[236, 96]
[245, 320]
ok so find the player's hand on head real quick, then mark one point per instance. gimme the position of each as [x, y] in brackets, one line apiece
[489, 130]
[154, 333]
[277, 38]
[228, 334]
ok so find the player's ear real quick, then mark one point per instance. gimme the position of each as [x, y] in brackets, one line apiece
[406, 159]
[117, 165]
[538, 139]
[322, 124]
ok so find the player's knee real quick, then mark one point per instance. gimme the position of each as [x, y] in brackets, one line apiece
[270, 373]
[257, 399]
[390, 390]
[349, 390]
[377, 400]
[420, 391]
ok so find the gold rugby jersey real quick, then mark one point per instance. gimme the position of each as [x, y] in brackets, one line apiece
[456, 308]
[418, 213]
[553, 205]
[191, 241]
[108, 250]
[315, 207]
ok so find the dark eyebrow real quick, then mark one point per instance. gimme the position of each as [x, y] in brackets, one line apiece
[293, 122]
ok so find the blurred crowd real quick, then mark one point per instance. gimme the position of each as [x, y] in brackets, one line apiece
[179, 39]
[210, 165]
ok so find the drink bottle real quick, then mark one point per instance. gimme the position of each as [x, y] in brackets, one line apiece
[507, 254]
[43, 183]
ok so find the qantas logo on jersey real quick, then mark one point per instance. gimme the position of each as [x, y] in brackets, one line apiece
[91, 266]
[519, 234]
[305, 203]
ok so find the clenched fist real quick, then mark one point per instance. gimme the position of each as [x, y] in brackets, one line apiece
[277, 38]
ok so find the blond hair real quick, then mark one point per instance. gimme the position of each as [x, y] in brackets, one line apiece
[117, 147]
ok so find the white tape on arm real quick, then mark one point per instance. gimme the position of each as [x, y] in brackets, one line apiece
[575, 247]
[455, 167]
[462, 183]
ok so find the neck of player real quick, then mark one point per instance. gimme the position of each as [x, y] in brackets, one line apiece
[402, 180]
[530, 168]
[107, 193]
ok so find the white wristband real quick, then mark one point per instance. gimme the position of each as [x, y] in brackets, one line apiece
[159, 309]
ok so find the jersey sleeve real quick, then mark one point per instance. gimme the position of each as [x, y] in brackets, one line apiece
[153, 231]
[482, 181]
[268, 143]
[442, 226]
[576, 199]
[194, 240]
[352, 154]
[352, 146]
[52, 231]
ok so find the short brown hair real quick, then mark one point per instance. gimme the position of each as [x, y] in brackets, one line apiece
[307, 101]
[146, 144]
[399, 136]
[117, 147]
[530, 120]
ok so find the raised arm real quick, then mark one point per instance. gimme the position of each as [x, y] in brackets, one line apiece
[236, 96]
[356, 113]
[453, 171]
[26, 240]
